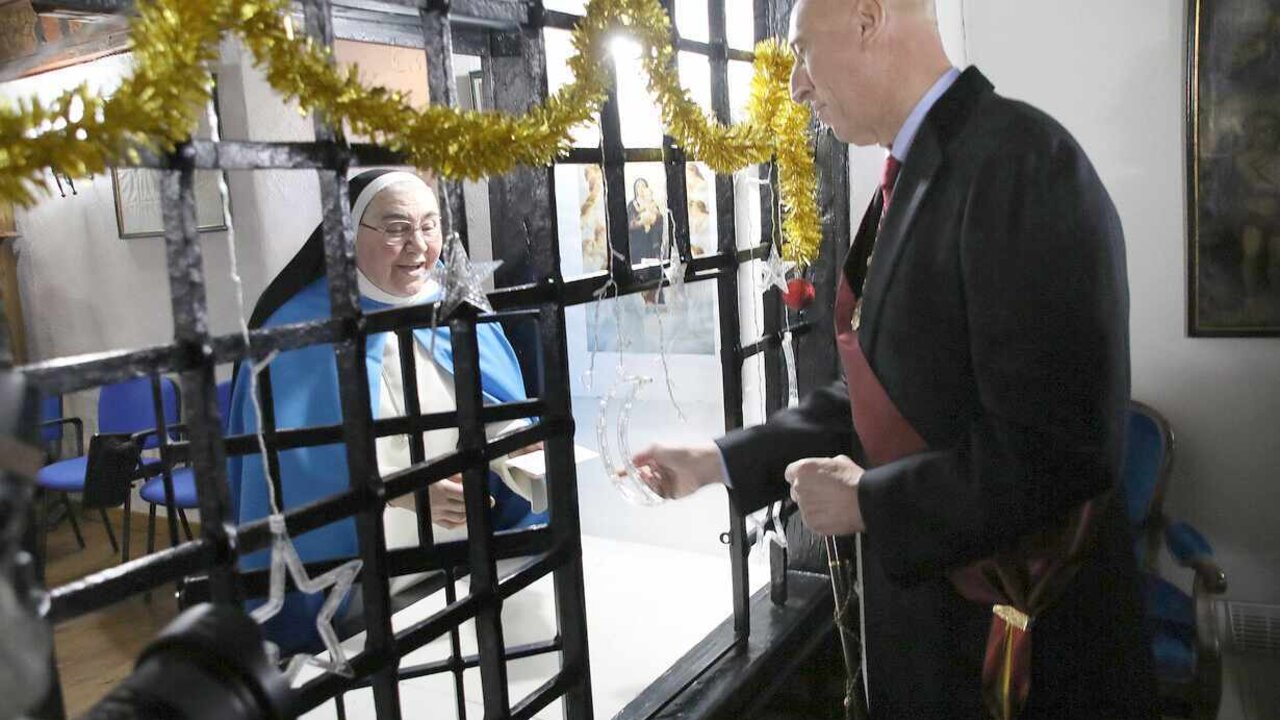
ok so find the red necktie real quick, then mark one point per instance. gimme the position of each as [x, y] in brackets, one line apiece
[888, 177]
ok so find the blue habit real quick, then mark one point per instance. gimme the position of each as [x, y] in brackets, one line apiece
[305, 390]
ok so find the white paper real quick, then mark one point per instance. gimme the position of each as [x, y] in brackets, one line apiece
[534, 464]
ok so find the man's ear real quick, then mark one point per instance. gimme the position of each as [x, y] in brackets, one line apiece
[869, 17]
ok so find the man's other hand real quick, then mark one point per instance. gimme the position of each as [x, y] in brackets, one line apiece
[674, 471]
[826, 489]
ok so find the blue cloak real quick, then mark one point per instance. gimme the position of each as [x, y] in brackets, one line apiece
[305, 389]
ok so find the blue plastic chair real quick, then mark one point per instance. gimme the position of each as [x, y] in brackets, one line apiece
[124, 409]
[51, 422]
[184, 482]
[1185, 642]
[51, 434]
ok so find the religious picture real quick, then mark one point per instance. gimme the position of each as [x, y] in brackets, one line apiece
[700, 188]
[591, 219]
[646, 222]
[1234, 135]
[655, 321]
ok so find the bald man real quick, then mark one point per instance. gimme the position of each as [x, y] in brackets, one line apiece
[976, 440]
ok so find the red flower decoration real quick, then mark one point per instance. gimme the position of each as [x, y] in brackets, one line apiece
[799, 294]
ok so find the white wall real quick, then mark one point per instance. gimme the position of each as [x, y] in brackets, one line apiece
[1112, 73]
[85, 290]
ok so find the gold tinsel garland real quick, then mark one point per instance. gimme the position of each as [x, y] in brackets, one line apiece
[175, 41]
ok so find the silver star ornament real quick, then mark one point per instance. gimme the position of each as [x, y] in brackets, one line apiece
[462, 280]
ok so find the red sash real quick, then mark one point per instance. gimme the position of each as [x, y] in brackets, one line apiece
[1018, 584]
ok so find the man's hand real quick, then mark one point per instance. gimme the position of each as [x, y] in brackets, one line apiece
[826, 489]
[674, 471]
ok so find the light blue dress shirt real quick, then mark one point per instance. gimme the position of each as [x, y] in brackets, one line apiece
[907, 134]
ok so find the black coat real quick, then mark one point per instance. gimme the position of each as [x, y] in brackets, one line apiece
[996, 318]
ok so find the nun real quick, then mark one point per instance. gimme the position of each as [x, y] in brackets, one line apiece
[398, 242]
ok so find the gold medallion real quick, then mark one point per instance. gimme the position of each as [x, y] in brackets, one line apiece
[1013, 616]
[857, 316]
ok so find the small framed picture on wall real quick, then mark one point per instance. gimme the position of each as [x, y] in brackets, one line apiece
[139, 203]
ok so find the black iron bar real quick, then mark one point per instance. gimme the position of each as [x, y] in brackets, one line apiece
[549, 691]
[115, 584]
[236, 445]
[484, 573]
[422, 500]
[553, 362]
[199, 397]
[466, 662]
[615, 181]
[442, 87]
[555, 549]
[673, 161]
[324, 687]
[730, 330]
[353, 384]
[91, 370]
[430, 628]
[443, 557]
[774, 339]
[82, 372]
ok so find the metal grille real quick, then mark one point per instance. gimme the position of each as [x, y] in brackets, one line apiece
[1255, 628]
[510, 31]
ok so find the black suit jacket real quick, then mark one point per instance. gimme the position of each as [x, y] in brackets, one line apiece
[996, 318]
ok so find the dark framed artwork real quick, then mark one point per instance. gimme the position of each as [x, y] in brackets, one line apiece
[1233, 148]
[476, 79]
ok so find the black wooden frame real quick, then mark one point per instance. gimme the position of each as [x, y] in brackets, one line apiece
[514, 29]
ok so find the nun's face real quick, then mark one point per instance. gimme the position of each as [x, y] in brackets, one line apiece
[399, 238]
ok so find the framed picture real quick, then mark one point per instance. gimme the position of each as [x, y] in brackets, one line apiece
[476, 79]
[139, 203]
[8, 221]
[1233, 149]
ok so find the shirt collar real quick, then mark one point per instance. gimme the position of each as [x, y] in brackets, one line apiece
[907, 134]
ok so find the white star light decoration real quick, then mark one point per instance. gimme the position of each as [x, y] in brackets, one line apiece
[462, 280]
[775, 270]
[284, 558]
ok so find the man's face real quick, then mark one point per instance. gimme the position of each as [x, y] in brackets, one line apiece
[834, 72]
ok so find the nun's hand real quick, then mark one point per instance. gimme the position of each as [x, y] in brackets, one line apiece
[536, 447]
[448, 504]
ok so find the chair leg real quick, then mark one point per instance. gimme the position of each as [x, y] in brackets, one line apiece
[111, 534]
[71, 515]
[186, 527]
[124, 529]
[151, 530]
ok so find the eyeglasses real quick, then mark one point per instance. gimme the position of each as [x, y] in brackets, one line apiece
[397, 233]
